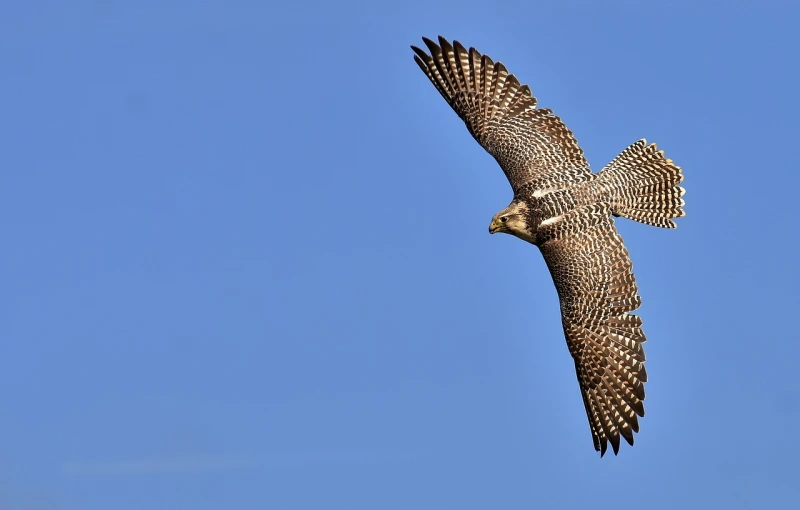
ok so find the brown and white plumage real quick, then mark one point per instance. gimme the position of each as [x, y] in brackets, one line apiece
[531, 144]
[563, 208]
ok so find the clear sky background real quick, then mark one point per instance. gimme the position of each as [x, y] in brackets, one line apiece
[245, 259]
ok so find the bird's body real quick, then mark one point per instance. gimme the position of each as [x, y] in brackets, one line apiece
[545, 207]
[567, 211]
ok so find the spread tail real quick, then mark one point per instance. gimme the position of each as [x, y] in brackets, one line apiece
[644, 185]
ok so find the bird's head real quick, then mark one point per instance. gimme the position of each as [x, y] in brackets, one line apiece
[512, 220]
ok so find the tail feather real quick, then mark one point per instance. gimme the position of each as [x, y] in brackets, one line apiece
[644, 185]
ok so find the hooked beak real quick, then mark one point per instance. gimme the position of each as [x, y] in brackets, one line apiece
[495, 226]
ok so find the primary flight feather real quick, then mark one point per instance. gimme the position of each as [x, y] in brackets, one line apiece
[566, 210]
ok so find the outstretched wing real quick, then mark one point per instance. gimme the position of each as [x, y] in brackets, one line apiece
[531, 144]
[593, 274]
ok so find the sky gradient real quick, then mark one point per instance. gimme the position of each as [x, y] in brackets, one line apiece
[245, 259]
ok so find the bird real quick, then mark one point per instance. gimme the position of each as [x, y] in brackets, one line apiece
[568, 212]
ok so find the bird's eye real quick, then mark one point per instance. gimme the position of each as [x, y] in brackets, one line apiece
[504, 219]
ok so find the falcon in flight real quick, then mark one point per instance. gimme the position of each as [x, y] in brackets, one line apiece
[567, 211]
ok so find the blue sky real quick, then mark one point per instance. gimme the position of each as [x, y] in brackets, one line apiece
[245, 259]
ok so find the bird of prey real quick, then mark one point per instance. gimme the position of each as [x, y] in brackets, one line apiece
[567, 211]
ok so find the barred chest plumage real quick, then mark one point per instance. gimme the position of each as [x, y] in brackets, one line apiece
[549, 205]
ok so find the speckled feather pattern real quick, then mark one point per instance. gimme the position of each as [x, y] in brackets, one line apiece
[531, 144]
[570, 218]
